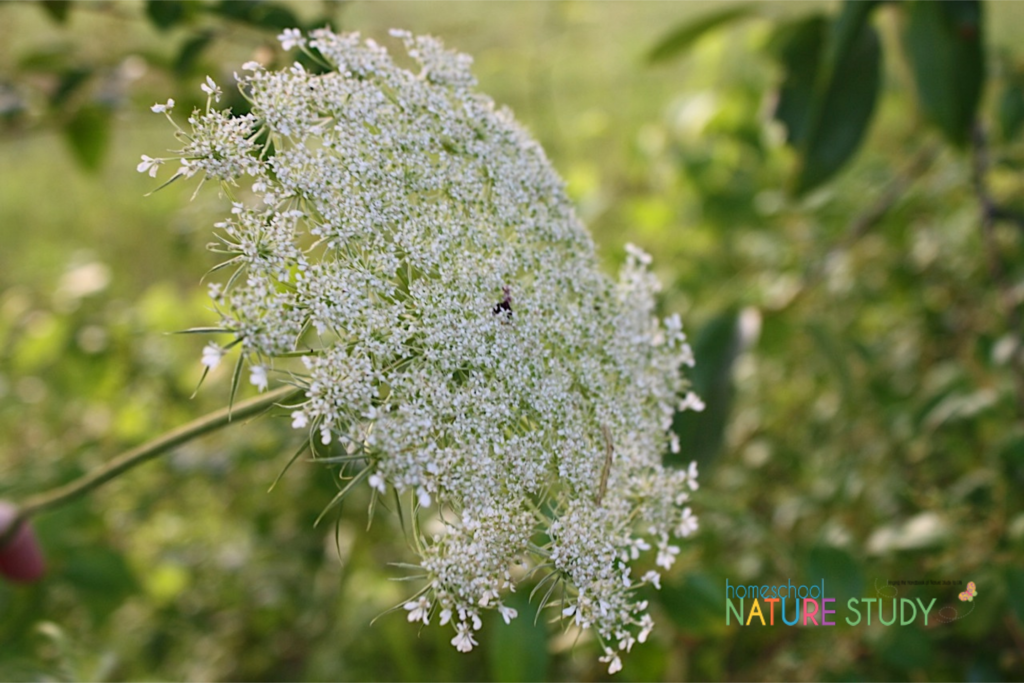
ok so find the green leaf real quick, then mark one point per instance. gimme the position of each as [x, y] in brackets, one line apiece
[517, 651]
[165, 14]
[798, 47]
[651, 662]
[685, 35]
[256, 13]
[88, 135]
[846, 30]
[56, 9]
[717, 345]
[943, 44]
[1011, 110]
[840, 571]
[829, 88]
[842, 110]
[190, 52]
[697, 606]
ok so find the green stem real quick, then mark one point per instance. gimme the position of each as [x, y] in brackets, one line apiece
[61, 495]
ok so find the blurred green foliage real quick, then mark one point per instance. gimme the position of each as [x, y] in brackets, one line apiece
[831, 194]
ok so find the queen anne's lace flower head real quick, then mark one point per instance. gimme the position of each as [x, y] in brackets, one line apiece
[411, 242]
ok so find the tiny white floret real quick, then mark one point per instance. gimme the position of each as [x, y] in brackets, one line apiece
[463, 640]
[212, 355]
[164, 108]
[258, 377]
[419, 610]
[291, 38]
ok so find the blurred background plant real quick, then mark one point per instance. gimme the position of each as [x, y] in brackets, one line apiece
[831, 192]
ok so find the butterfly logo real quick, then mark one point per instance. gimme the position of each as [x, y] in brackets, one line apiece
[968, 595]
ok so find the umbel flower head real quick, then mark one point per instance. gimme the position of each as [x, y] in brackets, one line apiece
[412, 244]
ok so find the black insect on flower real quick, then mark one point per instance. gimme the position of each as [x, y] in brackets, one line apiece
[505, 305]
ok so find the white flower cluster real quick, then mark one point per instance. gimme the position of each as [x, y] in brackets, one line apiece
[412, 243]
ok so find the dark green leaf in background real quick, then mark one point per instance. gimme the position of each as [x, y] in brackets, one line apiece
[518, 651]
[190, 52]
[264, 15]
[845, 106]
[832, 75]
[717, 345]
[56, 9]
[696, 606]
[88, 135]
[846, 31]
[798, 47]
[165, 14]
[943, 44]
[649, 666]
[685, 35]
[1011, 110]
